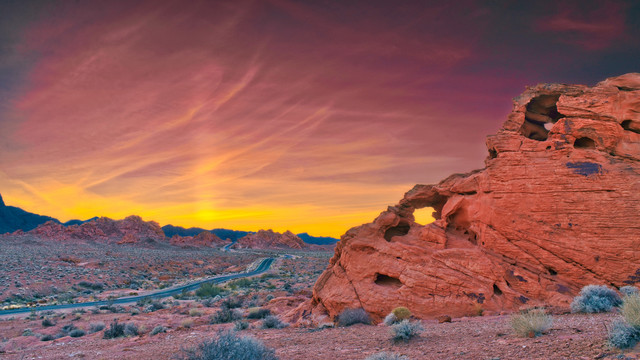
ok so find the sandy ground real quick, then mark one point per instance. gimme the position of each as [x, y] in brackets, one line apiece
[576, 336]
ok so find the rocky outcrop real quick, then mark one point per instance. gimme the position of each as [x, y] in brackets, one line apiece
[557, 207]
[13, 219]
[268, 239]
[131, 230]
[203, 239]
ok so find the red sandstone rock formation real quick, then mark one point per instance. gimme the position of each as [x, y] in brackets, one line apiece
[130, 230]
[203, 239]
[268, 239]
[557, 207]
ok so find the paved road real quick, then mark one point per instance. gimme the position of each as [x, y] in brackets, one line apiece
[263, 267]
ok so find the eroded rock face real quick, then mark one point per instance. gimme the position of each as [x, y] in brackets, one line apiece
[203, 239]
[131, 230]
[268, 239]
[557, 207]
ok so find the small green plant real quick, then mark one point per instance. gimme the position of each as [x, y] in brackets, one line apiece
[531, 323]
[401, 313]
[259, 313]
[272, 322]
[115, 330]
[158, 329]
[208, 290]
[630, 310]
[386, 356]
[227, 346]
[350, 317]
[405, 330]
[224, 315]
[240, 325]
[595, 299]
[623, 336]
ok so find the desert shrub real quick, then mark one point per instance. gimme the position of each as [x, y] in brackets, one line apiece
[47, 337]
[405, 330]
[240, 325]
[223, 316]
[92, 286]
[401, 313]
[77, 333]
[154, 306]
[158, 329]
[231, 303]
[115, 330]
[240, 283]
[259, 313]
[353, 316]
[390, 319]
[227, 346]
[95, 327]
[48, 322]
[27, 332]
[595, 299]
[386, 356]
[131, 329]
[67, 328]
[187, 323]
[272, 322]
[623, 336]
[629, 290]
[531, 323]
[208, 290]
[630, 310]
[195, 312]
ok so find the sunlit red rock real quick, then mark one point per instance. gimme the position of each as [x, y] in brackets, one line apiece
[268, 239]
[557, 207]
[203, 239]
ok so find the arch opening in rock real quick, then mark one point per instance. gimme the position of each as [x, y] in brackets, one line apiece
[387, 281]
[541, 113]
[631, 126]
[552, 271]
[584, 143]
[401, 229]
[496, 290]
[424, 216]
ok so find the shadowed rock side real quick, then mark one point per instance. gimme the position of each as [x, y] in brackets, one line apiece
[556, 208]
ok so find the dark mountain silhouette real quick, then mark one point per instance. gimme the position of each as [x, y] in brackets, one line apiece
[13, 218]
[317, 240]
[79, 222]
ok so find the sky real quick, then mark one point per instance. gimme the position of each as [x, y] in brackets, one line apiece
[311, 116]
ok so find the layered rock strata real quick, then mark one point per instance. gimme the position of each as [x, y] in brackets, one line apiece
[557, 207]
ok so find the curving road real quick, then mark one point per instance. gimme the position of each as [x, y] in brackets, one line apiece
[263, 267]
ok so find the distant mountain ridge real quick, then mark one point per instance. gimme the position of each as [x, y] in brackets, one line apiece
[13, 219]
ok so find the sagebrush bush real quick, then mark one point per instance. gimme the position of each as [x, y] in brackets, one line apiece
[386, 356]
[48, 322]
[405, 330]
[623, 336]
[630, 310]
[259, 313]
[228, 346]
[272, 322]
[95, 327]
[75, 333]
[195, 312]
[353, 316]
[401, 313]
[531, 323]
[231, 303]
[47, 337]
[208, 290]
[131, 329]
[224, 316]
[157, 330]
[115, 330]
[240, 325]
[595, 299]
[629, 290]
[390, 319]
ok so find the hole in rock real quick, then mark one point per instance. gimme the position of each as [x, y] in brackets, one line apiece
[552, 271]
[584, 143]
[424, 216]
[496, 290]
[541, 111]
[386, 280]
[493, 153]
[630, 126]
[401, 229]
